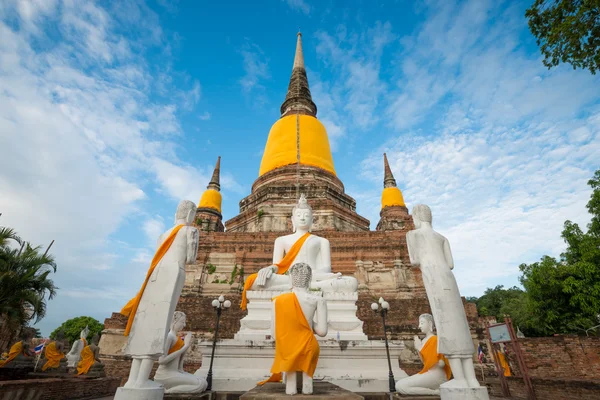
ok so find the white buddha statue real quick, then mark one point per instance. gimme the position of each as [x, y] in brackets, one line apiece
[74, 355]
[170, 371]
[300, 247]
[151, 311]
[294, 326]
[435, 366]
[430, 251]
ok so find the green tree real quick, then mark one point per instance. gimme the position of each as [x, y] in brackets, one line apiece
[499, 301]
[563, 296]
[567, 31]
[25, 285]
[72, 328]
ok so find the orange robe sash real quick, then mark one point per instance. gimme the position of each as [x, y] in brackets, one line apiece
[176, 346]
[504, 364]
[282, 267]
[87, 360]
[132, 306]
[296, 348]
[15, 350]
[53, 355]
[431, 357]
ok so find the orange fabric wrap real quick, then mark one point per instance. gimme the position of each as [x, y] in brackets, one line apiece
[176, 346]
[431, 357]
[296, 348]
[282, 267]
[15, 350]
[503, 364]
[87, 360]
[132, 306]
[53, 355]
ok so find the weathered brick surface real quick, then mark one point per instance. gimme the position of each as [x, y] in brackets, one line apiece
[58, 388]
[549, 389]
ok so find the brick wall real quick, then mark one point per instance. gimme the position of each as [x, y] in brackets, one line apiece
[562, 357]
[550, 389]
[58, 388]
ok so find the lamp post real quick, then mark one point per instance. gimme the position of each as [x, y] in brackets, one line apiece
[219, 304]
[382, 308]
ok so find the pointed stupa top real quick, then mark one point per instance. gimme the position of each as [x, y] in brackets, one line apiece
[298, 99]
[388, 179]
[215, 180]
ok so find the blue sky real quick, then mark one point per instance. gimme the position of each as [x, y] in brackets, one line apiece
[111, 112]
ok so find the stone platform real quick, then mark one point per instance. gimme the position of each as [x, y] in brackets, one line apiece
[321, 391]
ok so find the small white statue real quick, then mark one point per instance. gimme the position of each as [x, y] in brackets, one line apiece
[296, 349]
[152, 322]
[170, 371]
[74, 355]
[435, 368]
[430, 251]
[301, 247]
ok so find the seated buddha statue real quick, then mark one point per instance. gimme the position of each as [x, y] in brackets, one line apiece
[436, 369]
[74, 355]
[300, 247]
[54, 356]
[90, 364]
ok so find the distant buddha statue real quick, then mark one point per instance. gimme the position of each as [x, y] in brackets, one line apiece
[435, 366]
[54, 356]
[90, 364]
[296, 349]
[170, 366]
[151, 311]
[430, 251]
[19, 355]
[75, 353]
[300, 247]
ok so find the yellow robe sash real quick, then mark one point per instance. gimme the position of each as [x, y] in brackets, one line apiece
[15, 350]
[53, 355]
[431, 357]
[282, 267]
[87, 360]
[132, 306]
[296, 348]
[176, 346]
[503, 364]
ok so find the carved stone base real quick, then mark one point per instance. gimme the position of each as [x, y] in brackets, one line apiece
[479, 393]
[140, 394]
[343, 323]
[321, 391]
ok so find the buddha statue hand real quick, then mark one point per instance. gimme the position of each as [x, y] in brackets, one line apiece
[187, 341]
[418, 343]
[441, 363]
[264, 274]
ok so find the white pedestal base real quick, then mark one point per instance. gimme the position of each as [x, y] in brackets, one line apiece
[343, 323]
[140, 394]
[358, 366]
[479, 393]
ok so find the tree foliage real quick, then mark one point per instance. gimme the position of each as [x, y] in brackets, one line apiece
[25, 283]
[72, 328]
[567, 31]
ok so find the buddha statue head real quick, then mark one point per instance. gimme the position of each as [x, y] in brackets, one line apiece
[186, 212]
[421, 213]
[178, 323]
[84, 333]
[301, 275]
[95, 339]
[302, 216]
[426, 323]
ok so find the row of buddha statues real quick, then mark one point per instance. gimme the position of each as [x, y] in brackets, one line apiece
[83, 359]
[301, 268]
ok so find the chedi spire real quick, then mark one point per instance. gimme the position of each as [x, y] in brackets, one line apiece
[388, 178]
[298, 99]
[215, 180]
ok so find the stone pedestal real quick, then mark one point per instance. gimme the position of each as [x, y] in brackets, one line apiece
[358, 366]
[140, 394]
[343, 323]
[479, 393]
[321, 391]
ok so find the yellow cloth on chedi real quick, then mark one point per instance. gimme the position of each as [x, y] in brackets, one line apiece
[177, 345]
[503, 363]
[282, 267]
[296, 348]
[15, 350]
[87, 360]
[431, 357]
[132, 306]
[53, 355]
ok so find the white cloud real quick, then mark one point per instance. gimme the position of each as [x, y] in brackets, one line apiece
[256, 67]
[153, 228]
[299, 5]
[205, 116]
